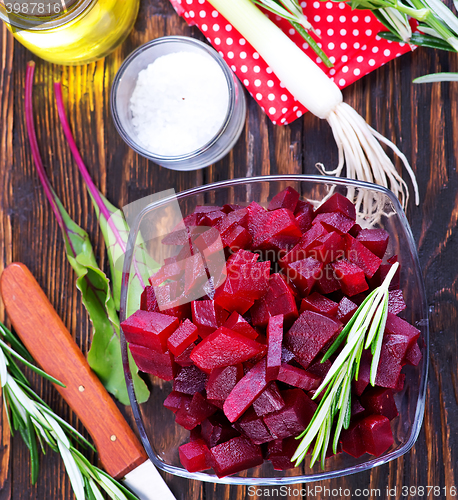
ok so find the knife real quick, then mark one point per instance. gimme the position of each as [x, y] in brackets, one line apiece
[50, 343]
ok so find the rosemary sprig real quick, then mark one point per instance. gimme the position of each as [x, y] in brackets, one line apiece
[36, 422]
[365, 329]
[292, 12]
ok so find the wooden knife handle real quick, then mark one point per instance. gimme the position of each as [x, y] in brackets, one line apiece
[50, 343]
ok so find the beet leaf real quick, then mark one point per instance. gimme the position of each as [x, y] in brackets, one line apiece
[104, 356]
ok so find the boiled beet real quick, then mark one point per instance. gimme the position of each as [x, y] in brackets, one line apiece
[392, 353]
[246, 391]
[398, 326]
[149, 329]
[338, 203]
[223, 348]
[294, 417]
[375, 240]
[195, 456]
[182, 337]
[413, 355]
[304, 215]
[320, 304]
[157, 363]
[334, 221]
[268, 401]
[287, 198]
[274, 343]
[297, 377]
[173, 400]
[281, 451]
[304, 273]
[309, 334]
[351, 278]
[328, 282]
[396, 302]
[235, 455]
[352, 440]
[183, 359]
[252, 426]
[358, 254]
[376, 434]
[238, 324]
[380, 401]
[207, 316]
[222, 380]
[364, 373]
[308, 241]
[330, 247]
[346, 309]
[190, 380]
[217, 429]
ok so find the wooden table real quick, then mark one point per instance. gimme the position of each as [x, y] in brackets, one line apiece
[421, 119]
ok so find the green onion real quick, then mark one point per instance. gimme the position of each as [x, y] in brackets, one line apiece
[358, 144]
[364, 330]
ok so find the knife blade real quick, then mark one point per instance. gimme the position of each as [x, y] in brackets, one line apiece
[50, 343]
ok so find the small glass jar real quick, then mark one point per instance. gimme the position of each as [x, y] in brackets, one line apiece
[86, 31]
[124, 85]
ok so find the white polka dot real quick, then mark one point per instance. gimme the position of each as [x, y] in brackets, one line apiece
[386, 52]
[375, 50]
[342, 19]
[216, 27]
[258, 96]
[318, 31]
[230, 55]
[305, 45]
[233, 68]
[356, 45]
[364, 47]
[318, 60]
[272, 111]
[229, 41]
[292, 31]
[344, 59]
[271, 97]
[341, 5]
[242, 55]
[367, 19]
[295, 108]
[246, 82]
[215, 13]
[345, 69]
[355, 32]
[371, 62]
[202, 14]
[329, 5]
[355, 19]
[228, 27]
[377, 38]
[332, 59]
[255, 55]
[343, 32]
[217, 41]
[343, 46]
[330, 32]
[356, 71]
[284, 97]
[256, 69]
[303, 4]
[204, 27]
[342, 82]
[257, 83]
[329, 19]
[317, 19]
[283, 120]
[270, 83]
[332, 71]
[189, 2]
[269, 71]
[242, 41]
[331, 45]
[316, 5]
[243, 69]
[360, 59]
[192, 13]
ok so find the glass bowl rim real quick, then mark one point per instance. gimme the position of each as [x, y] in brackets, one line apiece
[138, 148]
[259, 481]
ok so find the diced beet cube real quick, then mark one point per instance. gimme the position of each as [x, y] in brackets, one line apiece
[238, 324]
[206, 209]
[251, 280]
[182, 337]
[195, 274]
[319, 369]
[237, 238]
[361, 256]
[352, 440]
[309, 334]
[381, 273]
[350, 276]
[304, 215]
[398, 326]
[183, 359]
[364, 373]
[380, 401]
[171, 271]
[376, 240]
[171, 302]
[346, 309]
[338, 203]
[200, 408]
[226, 298]
[268, 401]
[253, 427]
[376, 434]
[328, 282]
[330, 247]
[298, 378]
[286, 355]
[294, 417]
[211, 219]
[396, 302]
[320, 304]
[279, 223]
[335, 221]
[207, 316]
[223, 348]
[195, 456]
[357, 409]
[400, 383]
[150, 361]
[306, 243]
[190, 380]
[222, 380]
[413, 355]
[394, 348]
[235, 455]
[149, 329]
[281, 451]
[148, 301]
[287, 198]
[274, 343]
[217, 429]
[173, 401]
[246, 391]
[240, 258]
[304, 273]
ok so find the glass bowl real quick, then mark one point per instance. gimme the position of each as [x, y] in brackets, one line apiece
[124, 85]
[158, 431]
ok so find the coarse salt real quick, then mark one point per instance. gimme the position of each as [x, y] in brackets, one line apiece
[179, 103]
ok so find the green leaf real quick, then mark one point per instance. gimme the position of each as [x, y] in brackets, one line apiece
[437, 77]
[32, 445]
[420, 40]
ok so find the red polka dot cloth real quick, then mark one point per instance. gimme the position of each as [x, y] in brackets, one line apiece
[349, 38]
